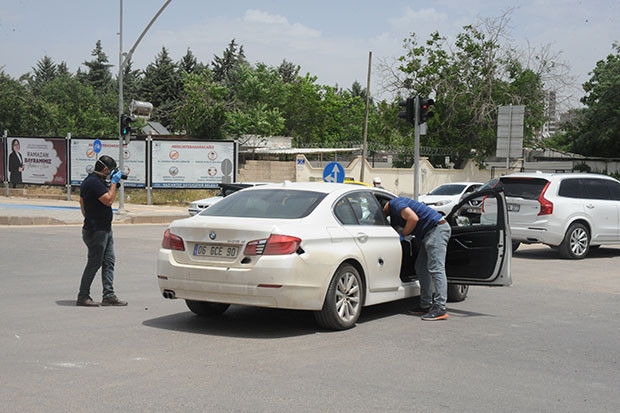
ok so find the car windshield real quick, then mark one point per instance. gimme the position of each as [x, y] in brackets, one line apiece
[526, 188]
[267, 203]
[451, 189]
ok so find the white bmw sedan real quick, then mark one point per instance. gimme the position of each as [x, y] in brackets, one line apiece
[322, 247]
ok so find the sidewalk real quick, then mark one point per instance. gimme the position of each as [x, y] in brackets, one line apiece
[35, 211]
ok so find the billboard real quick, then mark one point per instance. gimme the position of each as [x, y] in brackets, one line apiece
[193, 164]
[37, 160]
[84, 157]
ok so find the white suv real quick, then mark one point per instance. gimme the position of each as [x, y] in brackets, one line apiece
[571, 212]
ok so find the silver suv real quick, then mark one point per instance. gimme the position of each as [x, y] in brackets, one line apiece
[571, 212]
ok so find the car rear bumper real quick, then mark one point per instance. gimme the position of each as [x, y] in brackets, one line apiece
[263, 285]
[536, 234]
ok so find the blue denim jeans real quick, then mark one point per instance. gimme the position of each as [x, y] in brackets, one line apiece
[100, 255]
[430, 266]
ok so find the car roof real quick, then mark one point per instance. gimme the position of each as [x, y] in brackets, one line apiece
[555, 175]
[323, 187]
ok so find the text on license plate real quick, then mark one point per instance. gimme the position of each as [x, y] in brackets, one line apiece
[514, 207]
[211, 250]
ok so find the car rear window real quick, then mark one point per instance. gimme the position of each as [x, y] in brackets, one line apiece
[266, 203]
[526, 188]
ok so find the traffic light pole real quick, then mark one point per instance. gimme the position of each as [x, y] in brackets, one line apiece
[416, 153]
[121, 67]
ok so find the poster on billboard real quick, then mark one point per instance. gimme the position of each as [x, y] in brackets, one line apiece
[84, 156]
[36, 160]
[193, 164]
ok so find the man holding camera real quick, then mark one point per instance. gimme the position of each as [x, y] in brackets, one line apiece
[96, 198]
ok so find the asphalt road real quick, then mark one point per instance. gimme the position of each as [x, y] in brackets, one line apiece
[549, 343]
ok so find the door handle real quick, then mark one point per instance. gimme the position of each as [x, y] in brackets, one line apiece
[589, 206]
[362, 237]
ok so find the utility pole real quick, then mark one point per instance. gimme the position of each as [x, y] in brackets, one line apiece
[121, 67]
[365, 146]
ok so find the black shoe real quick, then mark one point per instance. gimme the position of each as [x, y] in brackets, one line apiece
[86, 302]
[435, 313]
[113, 301]
[419, 310]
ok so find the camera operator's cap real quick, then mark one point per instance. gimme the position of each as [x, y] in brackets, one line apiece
[377, 180]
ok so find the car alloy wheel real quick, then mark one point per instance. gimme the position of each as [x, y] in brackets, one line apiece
[576, 242]
[343, 302]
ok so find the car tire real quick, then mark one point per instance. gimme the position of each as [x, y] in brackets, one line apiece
[457, 292]
[515, 245]
[576, 242]
[206, 308]
[343, 301]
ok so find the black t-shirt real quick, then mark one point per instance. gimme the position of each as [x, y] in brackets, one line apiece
[98, 216]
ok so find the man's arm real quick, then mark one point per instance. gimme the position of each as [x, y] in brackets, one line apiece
[411, 220]
[108, 198]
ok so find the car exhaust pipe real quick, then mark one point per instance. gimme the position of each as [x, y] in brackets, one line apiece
[169, 294]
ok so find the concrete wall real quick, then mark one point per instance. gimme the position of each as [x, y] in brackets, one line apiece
[266, 171]
[397, 180]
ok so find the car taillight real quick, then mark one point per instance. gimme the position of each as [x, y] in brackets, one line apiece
[274, 245]
[546, 206]
[172, 242]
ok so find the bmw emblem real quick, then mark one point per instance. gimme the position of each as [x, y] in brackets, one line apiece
[212, 235]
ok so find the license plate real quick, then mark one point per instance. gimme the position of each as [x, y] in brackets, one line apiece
[514, 207]
[214, 250]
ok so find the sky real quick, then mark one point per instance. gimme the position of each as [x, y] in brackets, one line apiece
[332, 40]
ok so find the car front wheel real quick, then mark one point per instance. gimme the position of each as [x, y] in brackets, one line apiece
[576, 242]
[206, 308]
[343, 302]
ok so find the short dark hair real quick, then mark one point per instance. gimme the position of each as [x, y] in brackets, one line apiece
[105, 161]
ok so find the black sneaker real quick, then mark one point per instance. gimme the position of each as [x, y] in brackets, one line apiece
[86, 302]
[419, 310]
[435, 313]
[113, 301]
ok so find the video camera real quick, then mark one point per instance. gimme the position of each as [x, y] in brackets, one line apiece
[115, 170]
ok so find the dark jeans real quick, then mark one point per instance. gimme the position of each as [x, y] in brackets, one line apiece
[100, 255]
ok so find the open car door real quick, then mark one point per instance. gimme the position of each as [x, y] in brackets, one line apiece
[479, 251]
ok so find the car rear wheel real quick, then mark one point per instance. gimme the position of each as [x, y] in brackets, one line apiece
[343, 302]
[206, 308]
[576, 242]
[457, 292]
[515, 245]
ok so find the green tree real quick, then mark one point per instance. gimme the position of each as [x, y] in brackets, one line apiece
[224, 67]
[98, 76]
[162, 87]
[13, 105]
[468, 81]
[598, 129]
[202, 112]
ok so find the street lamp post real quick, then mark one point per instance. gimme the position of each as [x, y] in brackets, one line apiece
[121, 67]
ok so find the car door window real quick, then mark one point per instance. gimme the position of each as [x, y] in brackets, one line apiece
[614, 189]
[596, 189]
[359, 208]
[571, 188]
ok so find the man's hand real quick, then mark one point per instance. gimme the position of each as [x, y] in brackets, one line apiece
[116, 178]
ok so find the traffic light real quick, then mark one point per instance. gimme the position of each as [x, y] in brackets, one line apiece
[408, 113]
[126, 129]
[426, 109]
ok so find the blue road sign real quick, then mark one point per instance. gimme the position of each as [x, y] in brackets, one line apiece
[333, 172]
[97, 146]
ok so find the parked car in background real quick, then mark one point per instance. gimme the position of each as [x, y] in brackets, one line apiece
[316, 246]
[572, 212]
[446, 196]
[225, 189]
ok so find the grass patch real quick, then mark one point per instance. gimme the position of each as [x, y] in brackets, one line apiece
[174, 197]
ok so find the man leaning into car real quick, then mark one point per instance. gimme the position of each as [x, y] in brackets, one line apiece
[433, 233]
